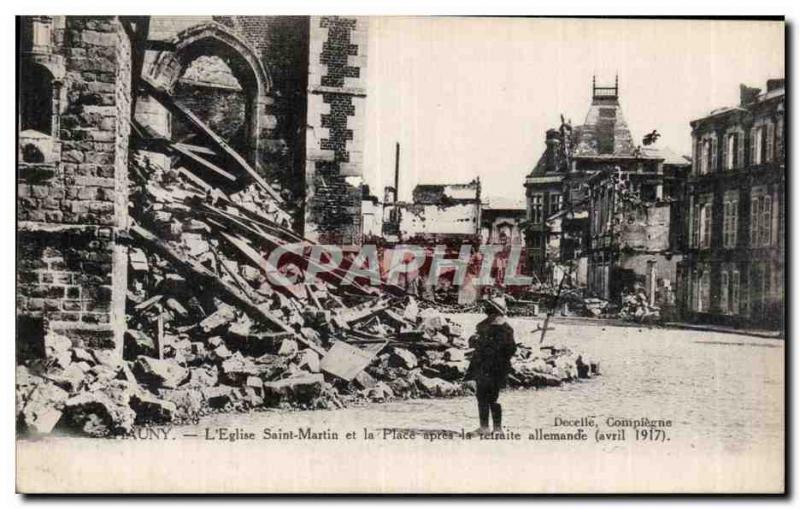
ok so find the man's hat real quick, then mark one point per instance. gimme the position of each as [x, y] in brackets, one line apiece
[498, 303]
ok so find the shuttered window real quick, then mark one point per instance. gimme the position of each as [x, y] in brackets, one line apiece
[536, 208]
[765, 226]
[705, 225]
[755, 216]
[714, 150]
[705, 161]
[761, 219]
[770, 149]
[734, 302]
[756, 145]
[705, 291]
[739, 142]
[729, 154]
[723, 293]
[730, 220]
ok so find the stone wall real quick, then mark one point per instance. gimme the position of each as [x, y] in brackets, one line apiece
[335, 136]
[305, 78]
[269, 59]
[418, 219]
[646, 230]
[209, 89]
[308, 113]
[282, 43]
[71, 274]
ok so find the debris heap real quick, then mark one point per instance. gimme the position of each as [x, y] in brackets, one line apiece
[636, 307]
[207, 330]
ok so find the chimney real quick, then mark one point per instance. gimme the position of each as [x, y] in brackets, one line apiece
[551, 152]
[396, 171]
[775, 84]
[605, 94]
[747, 94]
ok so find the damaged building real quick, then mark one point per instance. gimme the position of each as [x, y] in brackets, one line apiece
[440, 217]
[438, 213]
[502, 221]
[371, 216]
[572, 206]
[296, 115]
[279, 99]
[734, 270]
[636, 219]
[72, 176]
[162, 164]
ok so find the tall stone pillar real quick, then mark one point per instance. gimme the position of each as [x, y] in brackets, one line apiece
[335, 128]
[72, 182]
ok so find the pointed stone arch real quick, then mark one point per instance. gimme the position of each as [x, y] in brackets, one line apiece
[214, 39]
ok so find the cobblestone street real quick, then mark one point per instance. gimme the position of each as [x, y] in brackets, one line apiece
[716, 388]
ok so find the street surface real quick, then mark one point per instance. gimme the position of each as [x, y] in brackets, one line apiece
[723, 394]
[720, 389]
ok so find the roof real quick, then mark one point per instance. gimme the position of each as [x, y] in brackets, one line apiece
[446, 193]
[670, 156]
[775, 89]
[778, 92]
[723, 111]
[604, 131]
[539, 169]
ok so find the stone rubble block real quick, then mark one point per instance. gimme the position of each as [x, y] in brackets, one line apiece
[159, 373]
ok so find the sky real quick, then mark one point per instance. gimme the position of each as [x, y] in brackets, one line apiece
[473, 97]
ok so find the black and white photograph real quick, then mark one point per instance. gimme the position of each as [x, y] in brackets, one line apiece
[346, 254]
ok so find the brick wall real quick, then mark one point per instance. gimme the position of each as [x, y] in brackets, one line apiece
[335, 119]
[71, 276]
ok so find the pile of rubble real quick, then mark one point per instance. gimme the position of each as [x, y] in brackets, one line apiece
[636, 307]
[92, 393]
[572, 303]
[207, 330]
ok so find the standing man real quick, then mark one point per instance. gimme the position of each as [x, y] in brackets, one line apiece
[494, 346]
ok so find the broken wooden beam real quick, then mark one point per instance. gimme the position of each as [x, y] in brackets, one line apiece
[194, 179]
[196, 149]
[197, 271]
[149, 302]
[246, 288]
[203, 162]
[189, 118]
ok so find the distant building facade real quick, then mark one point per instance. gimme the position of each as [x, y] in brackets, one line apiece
[446, 213]
[371, 216]
[635, 217]
[563, 233]
[735, 269]
[502, 221]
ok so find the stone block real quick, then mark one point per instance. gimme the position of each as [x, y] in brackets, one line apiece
[300, 389]
[150, 409]
[43, 408]
[158, 373]
[402, 358]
